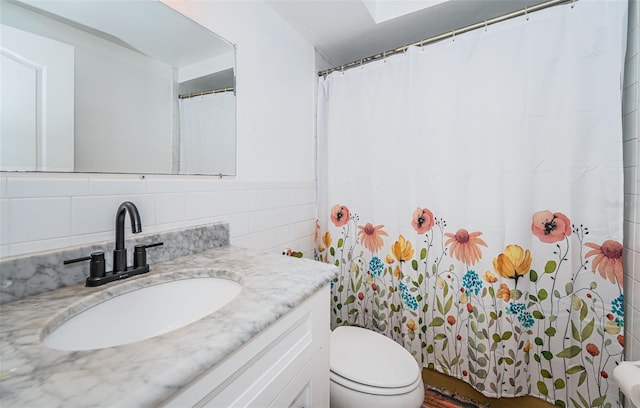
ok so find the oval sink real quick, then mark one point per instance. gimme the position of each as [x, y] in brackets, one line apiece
[143, 313]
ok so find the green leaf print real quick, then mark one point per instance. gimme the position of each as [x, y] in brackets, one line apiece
[436, 322]
[550, 266]
[569, 352]
[543, 294]
[568, 287]
[575, 369]
[447, 306]
[533, 276]
[423, 253]
[584, 310]
[542, 387]
[587, 330]
[574, 332]
[414, 264]
[340, 243]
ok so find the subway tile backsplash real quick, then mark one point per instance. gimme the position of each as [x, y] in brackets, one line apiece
[40, 212]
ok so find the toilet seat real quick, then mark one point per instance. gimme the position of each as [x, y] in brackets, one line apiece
[369, 362]
[368, 389]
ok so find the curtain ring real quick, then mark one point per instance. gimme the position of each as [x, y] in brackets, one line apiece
[453, 35]
[526, 13]
[485, 25]
[573, 3]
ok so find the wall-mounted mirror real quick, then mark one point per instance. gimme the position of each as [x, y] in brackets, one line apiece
[115, 87]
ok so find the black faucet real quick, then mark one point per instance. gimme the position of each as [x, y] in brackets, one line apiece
[120, 253]
[97, 274]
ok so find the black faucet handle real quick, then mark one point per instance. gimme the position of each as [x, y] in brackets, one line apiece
[96, 265]
[140, 254]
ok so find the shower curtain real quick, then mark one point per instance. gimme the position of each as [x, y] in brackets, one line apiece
[207, 133]
[471, 196]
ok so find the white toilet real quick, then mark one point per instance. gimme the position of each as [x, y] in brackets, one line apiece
[371, 370]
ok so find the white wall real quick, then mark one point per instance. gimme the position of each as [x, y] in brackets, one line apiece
[275, 87]
[631, 146]
[270, 205]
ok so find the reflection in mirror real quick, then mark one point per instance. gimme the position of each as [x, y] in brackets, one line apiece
[113, 86]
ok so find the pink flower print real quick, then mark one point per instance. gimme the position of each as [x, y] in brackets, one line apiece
[339, 215]
[608, 260]
[550, 227]
[422, 220]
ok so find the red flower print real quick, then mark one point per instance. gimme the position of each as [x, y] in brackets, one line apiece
[550, 227]
[451, 320]
[339, 215]
[371, 237]
[422, 220]
[608, 260]
[593, 349]
[360, 295]
[465, 246]
[469, 308]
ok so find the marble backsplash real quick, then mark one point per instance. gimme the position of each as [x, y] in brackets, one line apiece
[28, 275]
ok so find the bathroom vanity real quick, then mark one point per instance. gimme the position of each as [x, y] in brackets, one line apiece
[266, 347]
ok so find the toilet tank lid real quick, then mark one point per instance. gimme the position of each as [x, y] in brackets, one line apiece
[370, 358]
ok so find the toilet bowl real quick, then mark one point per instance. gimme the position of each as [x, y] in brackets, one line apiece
[371, 370]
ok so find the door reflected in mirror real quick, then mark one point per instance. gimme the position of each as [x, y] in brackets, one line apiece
[114, 87]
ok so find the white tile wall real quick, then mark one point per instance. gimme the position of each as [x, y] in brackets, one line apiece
[631, 147]
[46, 211]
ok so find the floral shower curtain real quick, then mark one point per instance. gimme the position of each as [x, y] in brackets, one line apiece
[471, 196]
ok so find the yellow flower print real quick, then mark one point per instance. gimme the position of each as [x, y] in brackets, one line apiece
[402, 249]
[489, 277]
[513, 263]
[389, 259]
[326, 239]
[504, 292]
[527, 347]
[397, 273]
[411, 325]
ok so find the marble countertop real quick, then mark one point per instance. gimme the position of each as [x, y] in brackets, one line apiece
[147, 372]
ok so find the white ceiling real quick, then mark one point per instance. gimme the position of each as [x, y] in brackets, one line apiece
[344, 31]
[150, 27]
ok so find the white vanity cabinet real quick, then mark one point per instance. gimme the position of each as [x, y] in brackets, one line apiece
[286, 365]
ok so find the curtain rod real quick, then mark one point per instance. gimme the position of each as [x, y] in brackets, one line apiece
[194, 94]
[446, 35]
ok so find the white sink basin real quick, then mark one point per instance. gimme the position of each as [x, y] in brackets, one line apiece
[143, 313]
